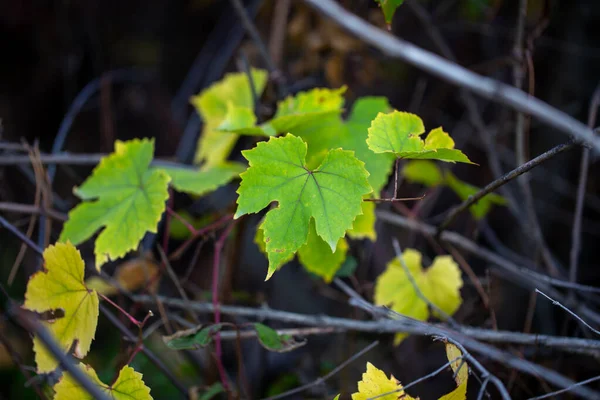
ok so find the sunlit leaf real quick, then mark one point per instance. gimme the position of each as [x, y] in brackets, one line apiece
[440, 284]
[234, 89]
[399, 133]
[331, 194]
[204, 180]
[273, 341]
[128, 386]
[124, 196]
[461, 373]
[375, 383]
[60, 286]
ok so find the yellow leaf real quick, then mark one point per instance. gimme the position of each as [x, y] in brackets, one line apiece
[214, 146]
[460, 393]
[440, 284]
[452, 352]
[61, 286]
[364, 224]
[375, 383]
[128, 386]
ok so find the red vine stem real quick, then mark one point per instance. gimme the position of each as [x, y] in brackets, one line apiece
[215, 301]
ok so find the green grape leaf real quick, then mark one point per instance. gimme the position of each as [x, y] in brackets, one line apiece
[389, 8]
[440, 284]
[354, 138]
[212, 104]
[123, 195]
[60, 286]
[194, 338]
[204, 180]
[128, 386]
[316, 255]
[331, 194]
[399, 133]
[273, 341]
[480, 209]
[332, 132]
[424, 172]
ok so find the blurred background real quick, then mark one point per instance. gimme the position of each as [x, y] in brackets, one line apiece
[128, 69]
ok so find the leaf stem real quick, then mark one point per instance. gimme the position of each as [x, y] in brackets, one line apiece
[129, 316]
[215, 301]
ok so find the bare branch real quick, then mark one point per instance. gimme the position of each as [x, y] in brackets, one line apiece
[502, 181]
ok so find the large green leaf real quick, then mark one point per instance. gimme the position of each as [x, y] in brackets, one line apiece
[123, 195]
[234, 90]
[204, 180]
[399, 133]
[331, 194]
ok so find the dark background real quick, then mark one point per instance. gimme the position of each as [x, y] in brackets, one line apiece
[165, 51]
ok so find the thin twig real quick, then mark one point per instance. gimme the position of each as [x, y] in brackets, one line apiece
[321, 380]
[577, 317]
[31, 209]
[250, 28]
[454, 73]
[502, 181]
[404, 325]
[581, 186]
[547, 395]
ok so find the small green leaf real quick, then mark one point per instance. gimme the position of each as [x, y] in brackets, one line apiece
[464, 190]
[192, 338]
[204, 180]
[272, 341]
[331, 194]
[425, 172]
[123, 195]
[389, 8]
[399, 133]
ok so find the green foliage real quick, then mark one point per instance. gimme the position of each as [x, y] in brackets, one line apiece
[273, 341]
[124, 196]
[318, 258]
[128, 386]
[331, 194]
[429, 174]
[194, 338]
[234, 90]
[204, 180]
[389, 8]
[399, 133]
